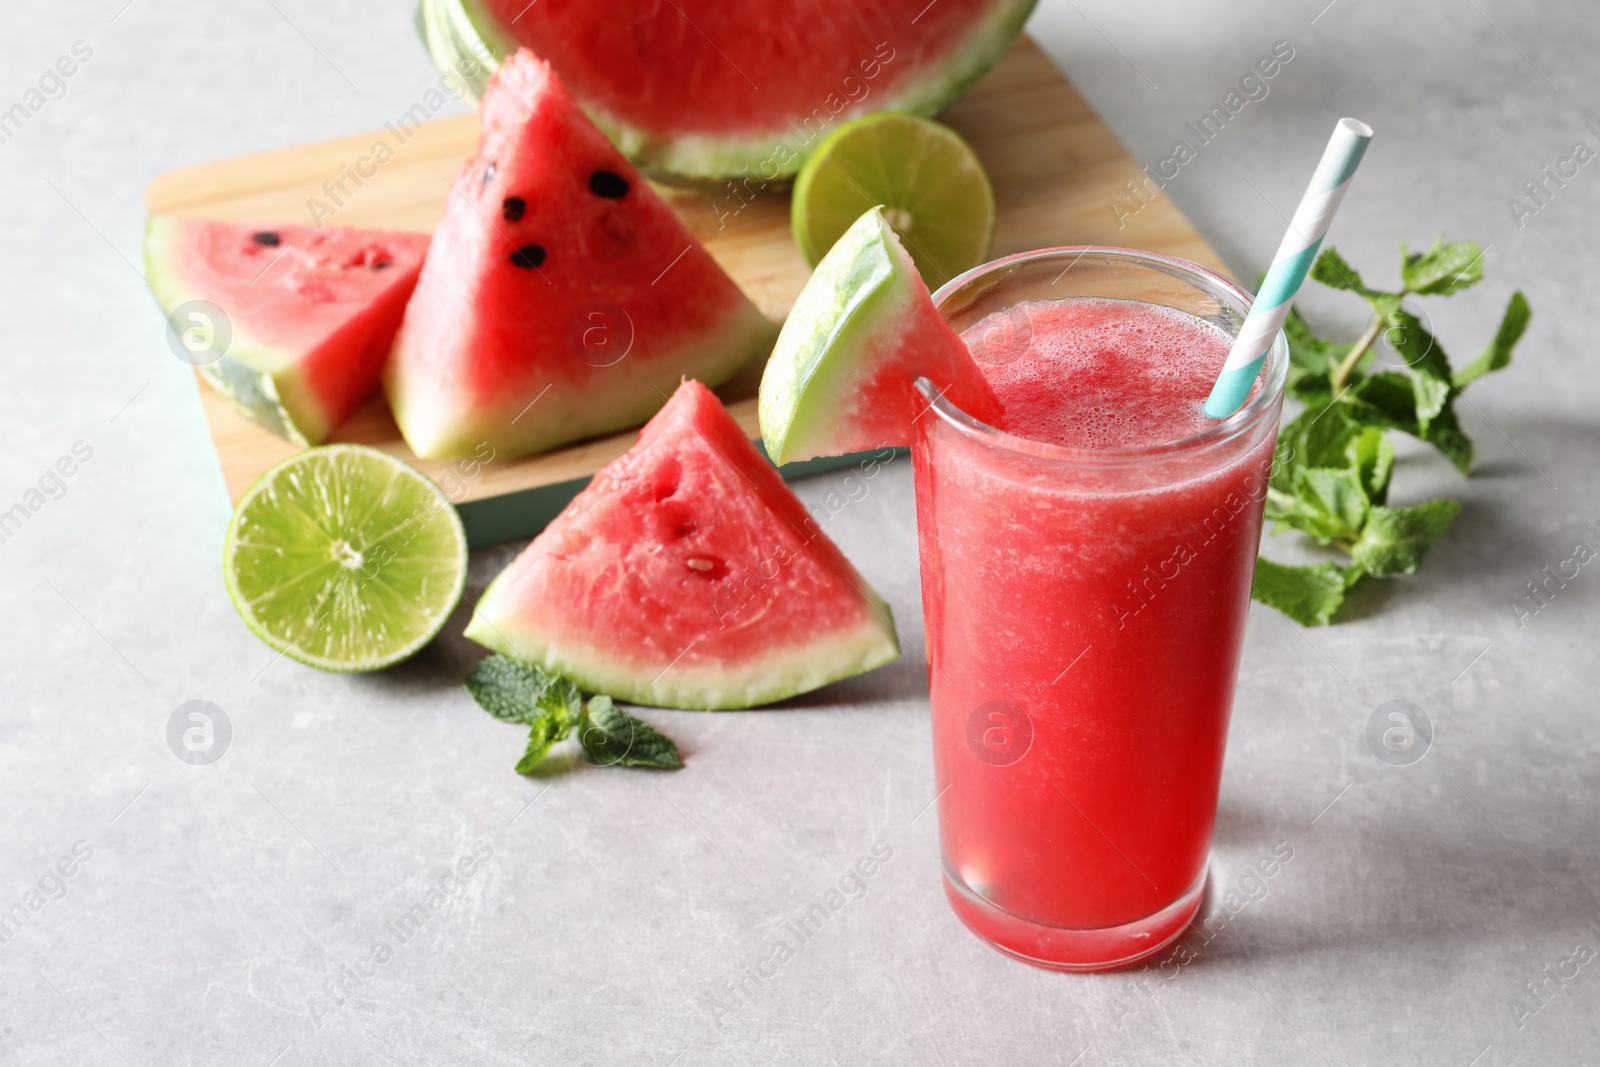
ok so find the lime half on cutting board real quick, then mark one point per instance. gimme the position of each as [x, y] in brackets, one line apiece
[345, 558]
[933, 190]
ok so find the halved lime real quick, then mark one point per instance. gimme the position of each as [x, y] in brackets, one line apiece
[345, 558]
[933, 190]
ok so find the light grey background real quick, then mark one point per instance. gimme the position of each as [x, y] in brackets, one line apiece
[218, 900]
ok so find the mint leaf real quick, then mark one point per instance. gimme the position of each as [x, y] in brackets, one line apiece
[1445, 434]
[551, 727]
[1317, 437]
[513, 691]
[1389, 400]
[1320, 437]
[1372, 456]
[1418, 348]
[507, 689]
[1307, 594]
[1385, 400]
[1329, 468]
[1395, 539]
[1311, 358]
[1331, 270]
[562, 699]
[1431, 395]
[612, 737]
[1442, 269]
[1307, 351]
[1329, 504]
[1290, 455]
[1498, 354]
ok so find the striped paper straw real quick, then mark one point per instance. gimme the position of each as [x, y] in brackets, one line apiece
[1289, 267]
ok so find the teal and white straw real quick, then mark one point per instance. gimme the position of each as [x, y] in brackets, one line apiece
[1289, 267]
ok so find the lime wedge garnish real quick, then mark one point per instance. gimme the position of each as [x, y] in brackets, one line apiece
[345, 558]
[933, 190]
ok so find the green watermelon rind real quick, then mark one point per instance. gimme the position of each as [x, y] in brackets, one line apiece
[859, 290]
[433, 424]
[785, 673]
[461, 27]
[242, 374]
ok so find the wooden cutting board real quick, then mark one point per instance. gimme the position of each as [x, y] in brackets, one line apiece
[1057, 171]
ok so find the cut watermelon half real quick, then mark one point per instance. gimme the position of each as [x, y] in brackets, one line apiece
[309, 313]
[708, 88]
[842, 375]
[687, 575]
[562, 298]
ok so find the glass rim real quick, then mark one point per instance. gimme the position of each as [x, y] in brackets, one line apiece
[1262, 403]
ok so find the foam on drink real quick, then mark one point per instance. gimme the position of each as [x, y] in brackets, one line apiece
[1104, 374]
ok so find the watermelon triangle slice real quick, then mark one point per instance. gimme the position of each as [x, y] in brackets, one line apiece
[293, 322]
[687, 575]
[562, 298]
[842, 377]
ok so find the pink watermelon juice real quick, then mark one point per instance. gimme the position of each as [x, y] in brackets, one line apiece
[1086, 573]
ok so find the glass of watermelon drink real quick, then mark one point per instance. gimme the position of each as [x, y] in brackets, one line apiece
[1086, 572]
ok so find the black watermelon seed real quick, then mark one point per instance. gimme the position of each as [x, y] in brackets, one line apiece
[513, 208]
[528, 257]
[266, 237]
[488, 175]
[608, 184]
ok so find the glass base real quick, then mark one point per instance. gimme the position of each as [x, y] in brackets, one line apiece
[1060, 948]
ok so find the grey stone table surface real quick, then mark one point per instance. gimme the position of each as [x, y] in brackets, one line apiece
[1443, 913]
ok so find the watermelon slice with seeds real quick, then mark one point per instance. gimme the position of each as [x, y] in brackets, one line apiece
[687, 575]
[562, 298]
[296, 321]
[741, 88]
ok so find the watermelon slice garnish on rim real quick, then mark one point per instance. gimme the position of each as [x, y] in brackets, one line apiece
[842, 376]
[562, 298]
[296, 321]
[687, 575]
[707, 88]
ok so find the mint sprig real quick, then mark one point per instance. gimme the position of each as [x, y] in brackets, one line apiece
[1334, 461]
[551, 707]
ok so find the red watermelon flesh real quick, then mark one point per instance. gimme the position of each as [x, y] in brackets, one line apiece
[562, 298]
[310, 313]
[687, 575]
[842, 377]
[712, 87]
[881, 406]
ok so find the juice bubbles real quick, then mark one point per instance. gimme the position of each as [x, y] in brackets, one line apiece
[1086, 575]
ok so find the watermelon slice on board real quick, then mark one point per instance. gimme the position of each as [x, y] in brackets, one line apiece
[864, 329]
[306, 319]
[561, 298]
[711, 88]
[687, 575]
